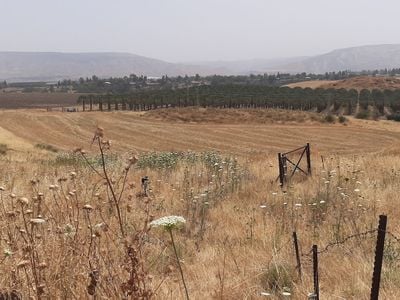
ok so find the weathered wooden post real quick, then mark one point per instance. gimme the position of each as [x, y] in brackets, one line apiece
[83, 105]
[315, 271]
[101, 105]
[380, 244]
[90, 104]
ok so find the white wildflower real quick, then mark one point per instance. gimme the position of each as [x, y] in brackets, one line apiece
[37, 221]
[168, 222]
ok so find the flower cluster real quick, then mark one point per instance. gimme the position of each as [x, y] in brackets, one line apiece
[168, 222]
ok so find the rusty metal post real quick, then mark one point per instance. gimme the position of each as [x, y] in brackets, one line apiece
[380, 244]
[315, 270]
[308, 154]
[296, 250]
[281, 171]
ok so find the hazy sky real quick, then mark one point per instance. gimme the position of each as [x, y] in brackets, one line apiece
[190, 30]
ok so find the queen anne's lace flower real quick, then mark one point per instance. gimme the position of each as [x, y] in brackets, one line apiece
[38, 221]
[168, 222]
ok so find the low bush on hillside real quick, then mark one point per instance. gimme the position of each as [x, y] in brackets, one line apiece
[394, 117]
[342, 119]
[3, 149]
[47, 147]
[362, 115]
[329, 118]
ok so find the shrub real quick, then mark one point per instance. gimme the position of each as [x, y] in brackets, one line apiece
[362, 115]
[394, 117]
[47, 147]
[330, 118]
[3, 149]
[277, 278]
[342, 119]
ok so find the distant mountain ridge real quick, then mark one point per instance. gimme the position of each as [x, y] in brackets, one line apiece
[361, 58]
[49, 66]
[35, 66]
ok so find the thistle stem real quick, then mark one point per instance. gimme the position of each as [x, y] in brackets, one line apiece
[179, 264]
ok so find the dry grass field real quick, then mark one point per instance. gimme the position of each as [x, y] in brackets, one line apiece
[75, 227]
[358, 83]
[310, 84]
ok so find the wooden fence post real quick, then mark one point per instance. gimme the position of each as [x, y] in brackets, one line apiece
[296, 250]
[315, 270]
[380, 244]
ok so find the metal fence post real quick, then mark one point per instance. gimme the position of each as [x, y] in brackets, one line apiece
[281, 171]
[315, 270]
[380, 244]
[308, 154]
[296, 250]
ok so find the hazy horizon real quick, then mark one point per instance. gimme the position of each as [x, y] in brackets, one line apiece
[190, 31]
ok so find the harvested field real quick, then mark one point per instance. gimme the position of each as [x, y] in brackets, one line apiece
[12, 100]
[310, 84]
[145, 132]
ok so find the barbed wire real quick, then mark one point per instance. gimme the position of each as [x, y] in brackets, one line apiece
[393, 236]
[341, 242]
[348, 238]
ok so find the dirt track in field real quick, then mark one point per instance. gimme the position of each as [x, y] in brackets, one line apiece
[131, 131]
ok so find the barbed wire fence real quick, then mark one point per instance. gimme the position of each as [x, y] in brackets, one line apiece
[312, 255]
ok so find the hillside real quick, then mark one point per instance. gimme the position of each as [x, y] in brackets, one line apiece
[358, 83]
[355, 59]
[45, 66]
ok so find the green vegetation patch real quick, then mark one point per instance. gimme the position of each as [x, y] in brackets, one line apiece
[47, 147]
[3, 149]
[394, 117]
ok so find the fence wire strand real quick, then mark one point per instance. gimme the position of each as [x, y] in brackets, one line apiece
[348, 238]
